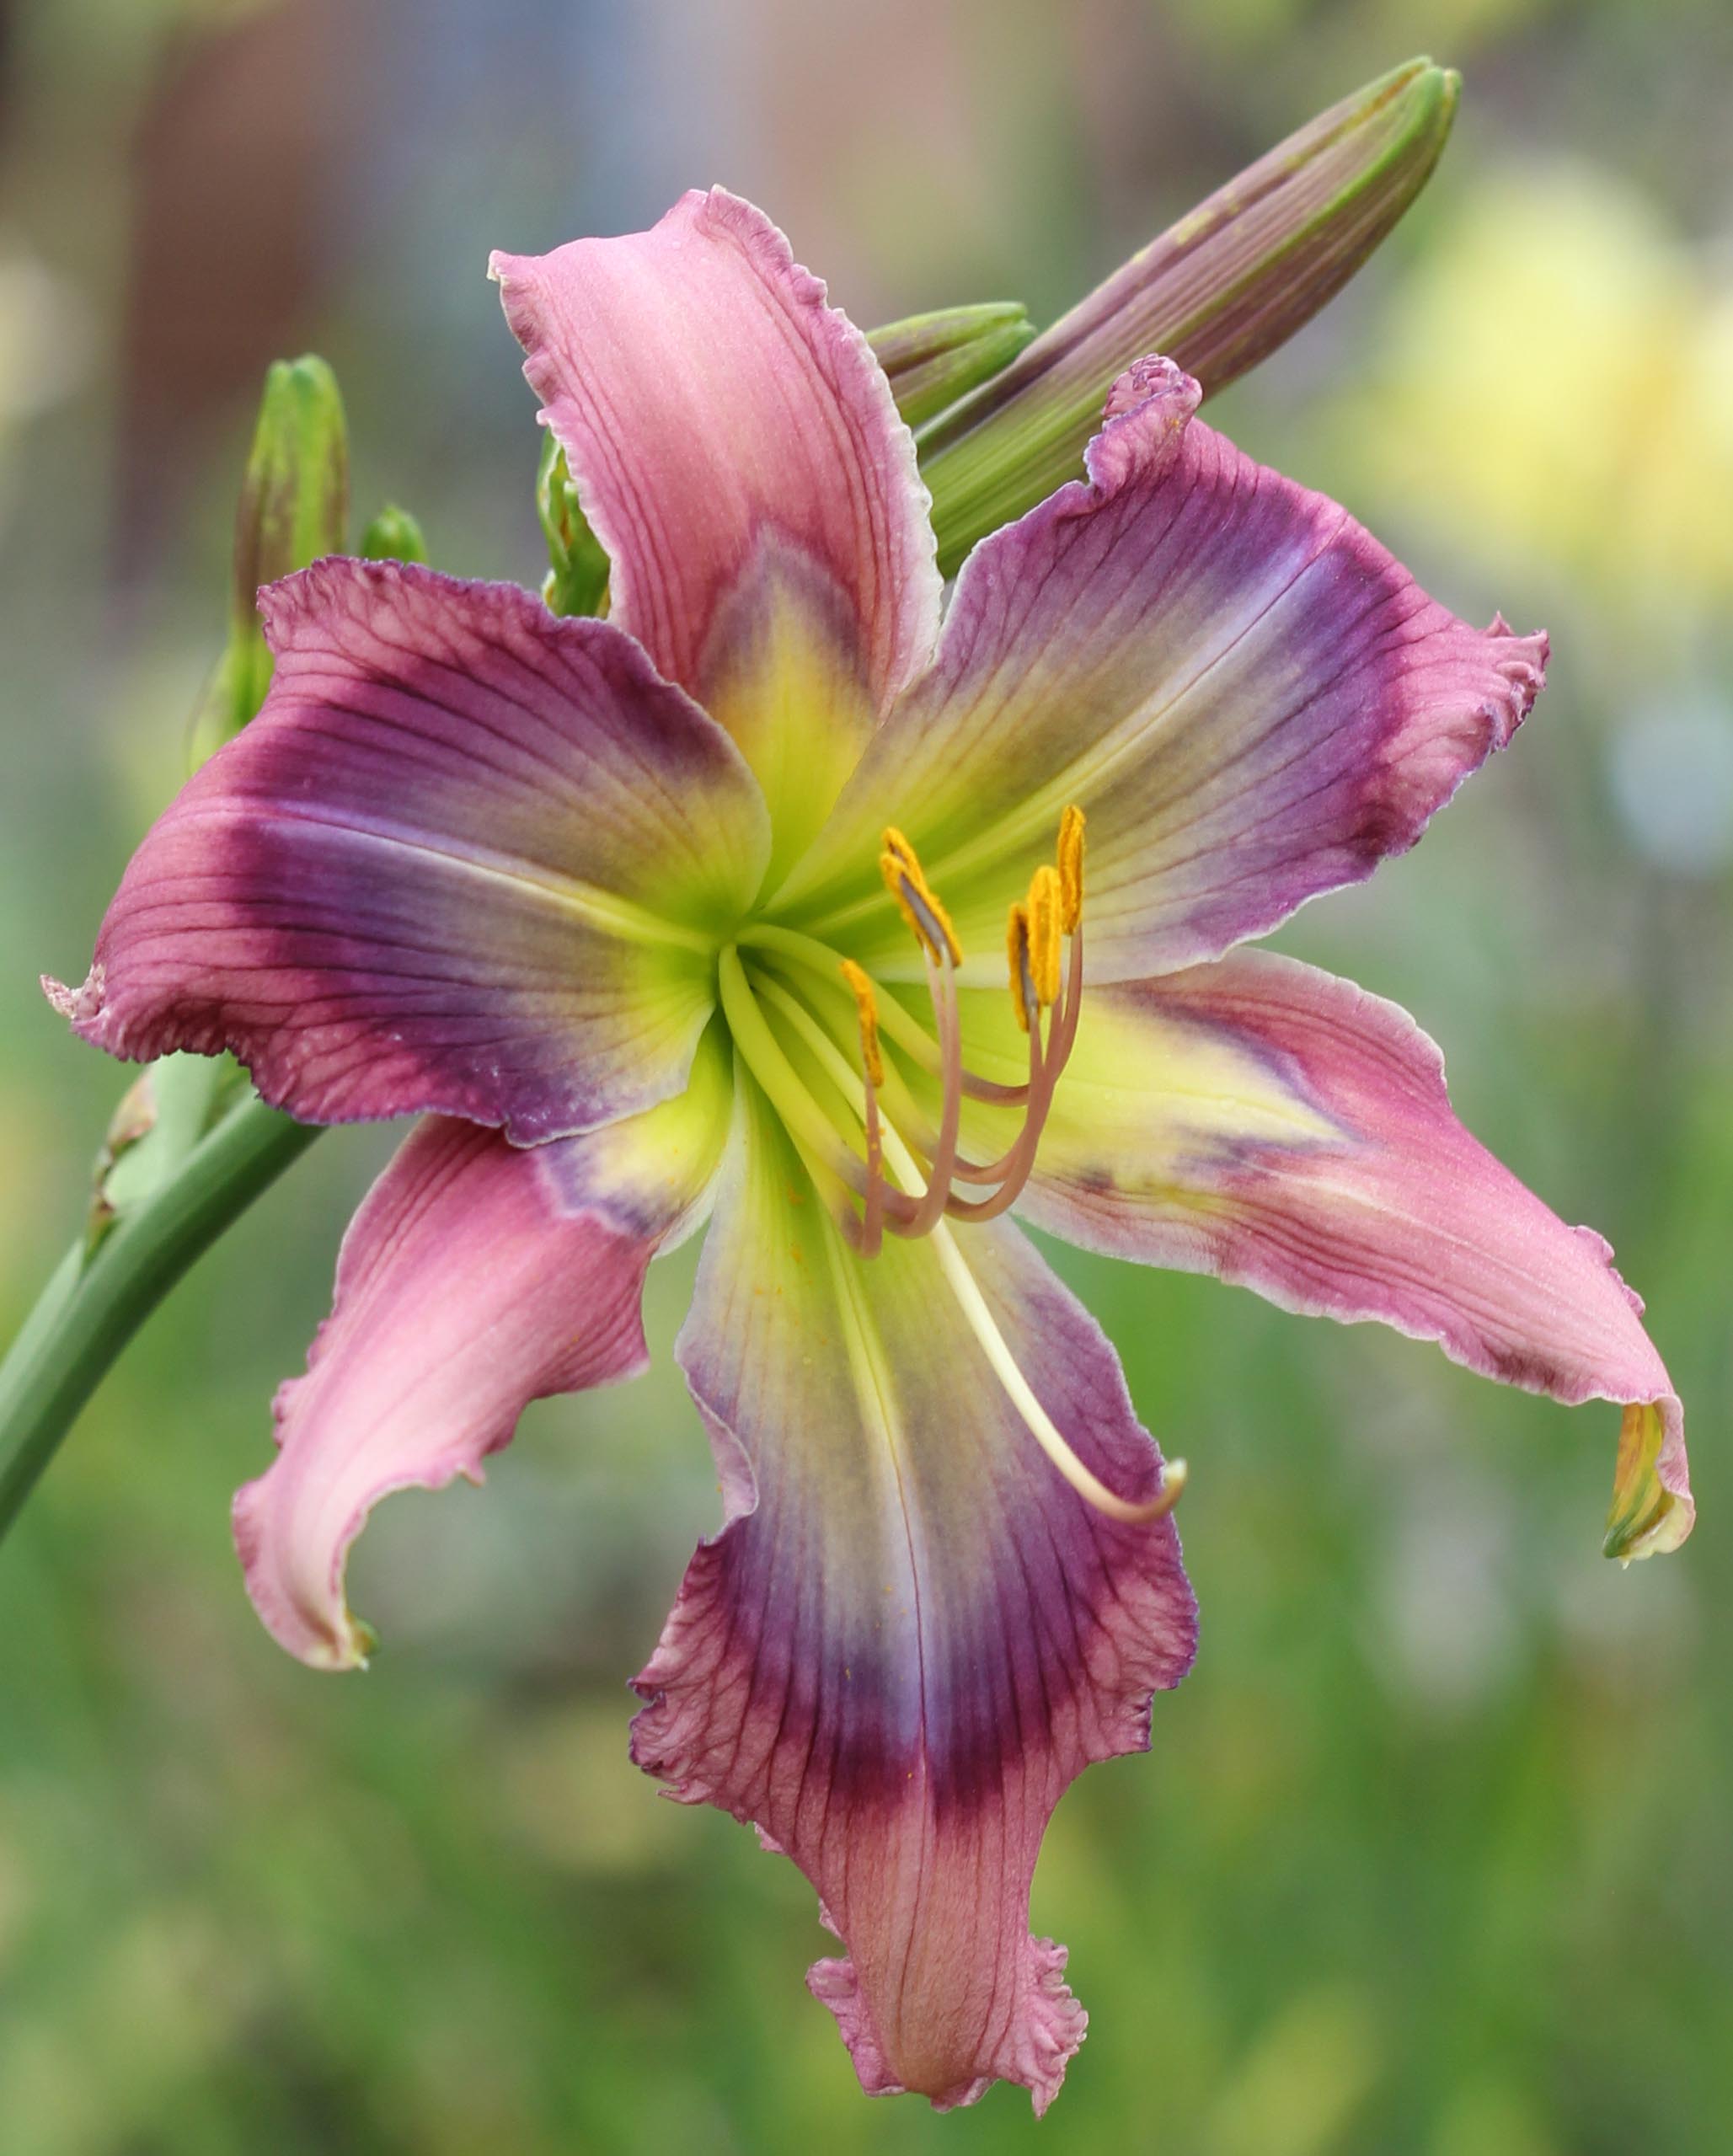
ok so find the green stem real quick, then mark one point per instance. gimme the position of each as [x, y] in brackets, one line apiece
[90, 1309]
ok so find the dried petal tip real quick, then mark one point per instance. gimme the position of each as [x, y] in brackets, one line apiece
[1218, 291]
[1651, 1512]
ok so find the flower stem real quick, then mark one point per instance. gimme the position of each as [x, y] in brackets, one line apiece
[91, 1307]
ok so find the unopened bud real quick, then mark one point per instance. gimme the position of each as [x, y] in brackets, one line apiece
[931, 360]
[161, 1119]
[1217, 292]
[293, 507]
[576, 582]
[393, 535]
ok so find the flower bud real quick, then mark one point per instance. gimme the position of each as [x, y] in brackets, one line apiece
[1218, 291]
[162, 1117]
[931, 360]
[576, 582]
[293, 507]
[393, 535]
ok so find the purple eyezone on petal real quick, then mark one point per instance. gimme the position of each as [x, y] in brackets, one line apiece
[1251, 699]
[910, 1633]
[467, 860]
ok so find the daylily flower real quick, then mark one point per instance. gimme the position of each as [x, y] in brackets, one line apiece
[701, 911]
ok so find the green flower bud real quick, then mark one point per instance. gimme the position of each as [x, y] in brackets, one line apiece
[931, 360]
[393, 535]
[576, 582]
[1217, 292]
[293, 507]
[162, 1117]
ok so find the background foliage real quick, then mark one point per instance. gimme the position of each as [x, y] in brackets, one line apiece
[1432, 1853]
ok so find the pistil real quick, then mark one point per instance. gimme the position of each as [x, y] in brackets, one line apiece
[1046, 1433]
[833, 1164]
[862, 1233]
[1047, 994]
[899, 1026]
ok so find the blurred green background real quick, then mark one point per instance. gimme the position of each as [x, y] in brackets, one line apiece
[1432, 1852]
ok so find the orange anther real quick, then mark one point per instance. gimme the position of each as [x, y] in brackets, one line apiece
[1071, 868]
[919, 905]
[866, 1002]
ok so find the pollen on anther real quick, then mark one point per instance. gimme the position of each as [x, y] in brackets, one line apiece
[1043, 908]
[1017, 962]
[1071, 868]
[917, 902]
[866, 1002]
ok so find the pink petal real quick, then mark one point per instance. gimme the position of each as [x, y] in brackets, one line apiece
[474, 1279]
[910, 1635]
[1263, 1121]
[738, 452]
[468, 859]
[1252, 701]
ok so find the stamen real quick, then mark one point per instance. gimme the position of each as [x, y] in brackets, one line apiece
[866, 1002]
[832, 1164]
[1024, 999]
[963, 1284]
[896, 1023]
[1071, 868]
[1065, 1018]
[894, 1203]
[872, 1057]
[1011, 1170]
[1039, 982]
[908, 885]
[942, 985]
[872, 1223]
[1043, 907]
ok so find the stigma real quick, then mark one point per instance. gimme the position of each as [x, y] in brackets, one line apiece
[1045, 966]
[904, 1176]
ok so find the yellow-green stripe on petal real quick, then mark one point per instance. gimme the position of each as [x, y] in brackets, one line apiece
[910, 1633]
[469, 860]
[738, 455]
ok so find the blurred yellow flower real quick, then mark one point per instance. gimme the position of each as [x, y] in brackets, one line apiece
[44, 339]
[1558, 385]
